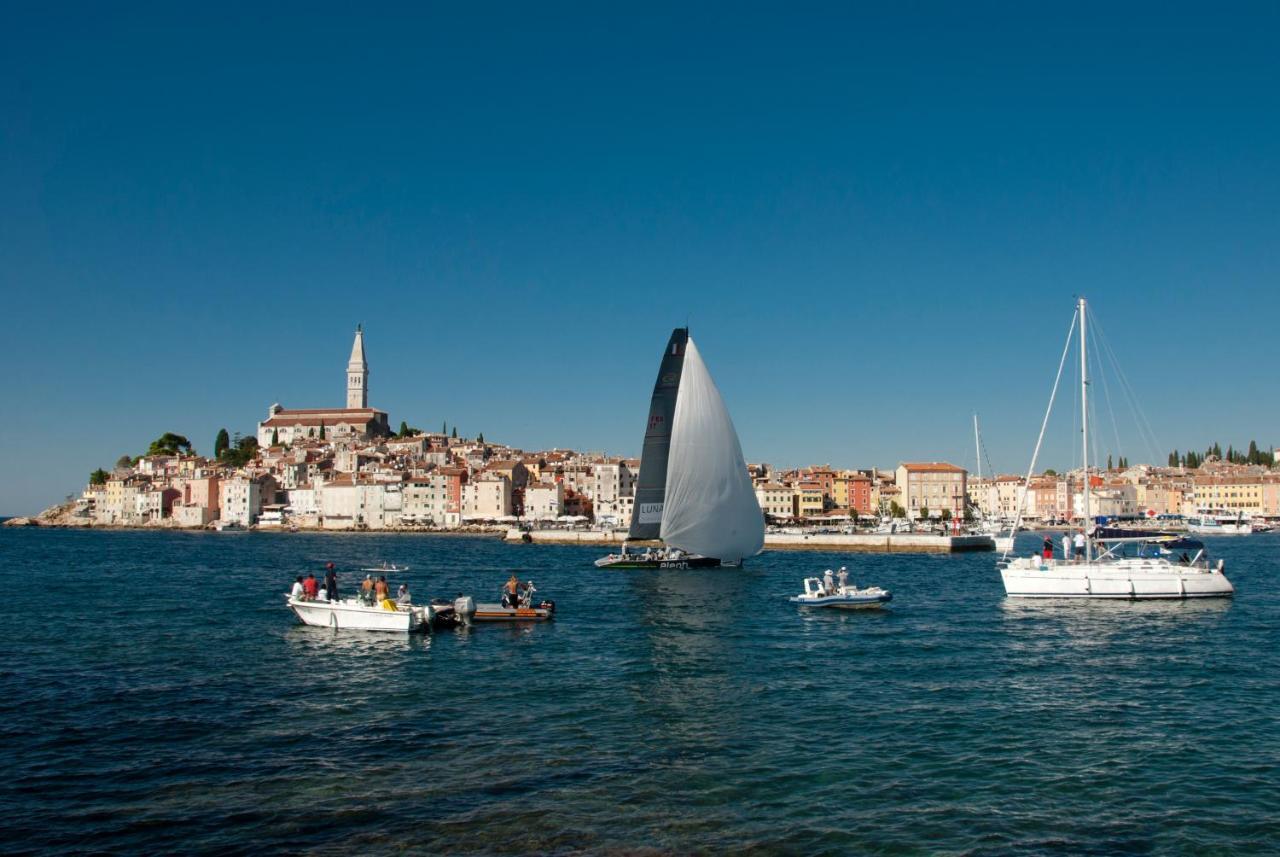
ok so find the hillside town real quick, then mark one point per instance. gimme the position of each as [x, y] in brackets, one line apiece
[346, 469]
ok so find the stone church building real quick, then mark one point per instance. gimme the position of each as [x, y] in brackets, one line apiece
[356, 420]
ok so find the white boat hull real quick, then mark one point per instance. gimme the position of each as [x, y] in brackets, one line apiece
[1220, 529]
[844, 602]
[351, 614]
[1124, 579]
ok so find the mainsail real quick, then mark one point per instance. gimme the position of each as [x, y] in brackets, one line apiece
[709, 506]
[646, 516]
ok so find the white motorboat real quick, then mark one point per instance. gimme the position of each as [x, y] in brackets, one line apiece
[1104, 571]
[1207, 523]
[351, 613]
[828, 592]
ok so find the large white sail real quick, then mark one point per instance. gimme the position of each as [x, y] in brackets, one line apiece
[710, 507]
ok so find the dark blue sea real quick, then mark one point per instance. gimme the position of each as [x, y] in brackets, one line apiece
[157, 696]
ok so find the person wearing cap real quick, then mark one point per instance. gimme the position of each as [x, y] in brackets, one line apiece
[366, 589]
[331, 582]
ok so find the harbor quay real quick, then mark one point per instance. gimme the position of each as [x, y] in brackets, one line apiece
[829, 542]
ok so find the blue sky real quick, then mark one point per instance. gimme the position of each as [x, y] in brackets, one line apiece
[874, 221]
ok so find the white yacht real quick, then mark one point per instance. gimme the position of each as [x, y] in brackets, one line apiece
[1219, 523]
[1105, 571]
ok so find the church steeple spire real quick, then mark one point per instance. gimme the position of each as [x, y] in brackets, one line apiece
[358, 373]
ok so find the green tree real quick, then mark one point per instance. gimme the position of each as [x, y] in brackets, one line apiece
[124, 461]
[480, 437]
[896, 510]
[924, 511]
[1050, 472]
[1109, 467]
[275, 437]
[455, 432]
[1254, 457]
[222, 443]
[946, 514]
[98, 477]
[169, 444]
[322, 429]
[444, 428]
[404, 429]
[1173, 458]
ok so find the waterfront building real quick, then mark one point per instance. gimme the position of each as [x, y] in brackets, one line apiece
[613, 490]
[933, 485]
[543, 501]
[1231, 493]
[852, 490]
[240, 498]
[486, 498]
[776, 500]
[807, 500]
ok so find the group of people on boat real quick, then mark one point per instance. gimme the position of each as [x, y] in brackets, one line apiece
[1072, 546]
[372, 592]
[310, 589]
[831, 584]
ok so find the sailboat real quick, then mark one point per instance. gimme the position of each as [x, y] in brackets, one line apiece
[1105, 571]
[693, 491]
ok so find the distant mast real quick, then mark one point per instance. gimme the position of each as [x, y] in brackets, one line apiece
[651, 486]
[1084, 427]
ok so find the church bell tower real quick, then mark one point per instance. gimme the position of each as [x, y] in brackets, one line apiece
[357, 374]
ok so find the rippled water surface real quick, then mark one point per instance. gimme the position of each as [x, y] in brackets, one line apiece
[156, 695]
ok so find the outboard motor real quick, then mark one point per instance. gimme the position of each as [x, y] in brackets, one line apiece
[465, 607]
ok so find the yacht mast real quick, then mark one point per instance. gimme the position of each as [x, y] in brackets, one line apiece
[1084, 427]
[977, 449]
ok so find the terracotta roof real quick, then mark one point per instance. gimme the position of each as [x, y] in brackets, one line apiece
[308, 411]
[931, 467]
[352, 418]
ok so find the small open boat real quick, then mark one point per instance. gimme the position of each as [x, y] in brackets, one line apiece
[826, 592]
[519, 609]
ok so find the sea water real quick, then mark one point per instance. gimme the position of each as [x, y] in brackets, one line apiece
[156, 695]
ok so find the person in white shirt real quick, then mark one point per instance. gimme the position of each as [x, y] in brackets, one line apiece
[297, 588]
[1066, 545]
[1079, 541]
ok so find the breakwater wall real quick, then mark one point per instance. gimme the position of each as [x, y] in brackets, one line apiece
[834, 542]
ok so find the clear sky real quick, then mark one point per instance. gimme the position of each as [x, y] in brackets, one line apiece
[874, 221]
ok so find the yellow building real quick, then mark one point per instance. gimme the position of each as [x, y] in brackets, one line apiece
[1230, 493]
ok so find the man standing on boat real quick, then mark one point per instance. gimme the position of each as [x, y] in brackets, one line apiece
[1066, 546]
[511, 592]
[331, 582]
[1079, 542]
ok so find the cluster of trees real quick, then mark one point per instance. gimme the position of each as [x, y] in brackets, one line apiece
[1193, 460]
[241, 450]
[1123, 463]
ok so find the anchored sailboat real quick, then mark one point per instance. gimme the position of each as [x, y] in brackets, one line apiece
[1105, 571]
[693, 492]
